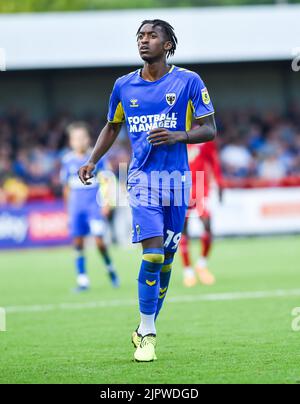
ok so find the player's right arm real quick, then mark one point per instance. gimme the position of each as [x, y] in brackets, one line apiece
[66, 193]
[105, 141]
[108, 135]
[64, 179]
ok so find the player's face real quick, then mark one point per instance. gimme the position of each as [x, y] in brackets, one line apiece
[152, 43]
[79, 140]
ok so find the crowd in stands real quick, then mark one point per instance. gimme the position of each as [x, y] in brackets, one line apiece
[264, 146]
[253, 145]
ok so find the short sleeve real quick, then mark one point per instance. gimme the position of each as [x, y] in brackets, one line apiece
[199, 96]
[115, 110]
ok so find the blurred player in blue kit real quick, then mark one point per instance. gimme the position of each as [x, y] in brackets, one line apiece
[85, 215]
[158, 104]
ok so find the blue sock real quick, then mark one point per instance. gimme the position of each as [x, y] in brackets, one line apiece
[80, 262]
[148, 281]
[165, 277]
[106, 258]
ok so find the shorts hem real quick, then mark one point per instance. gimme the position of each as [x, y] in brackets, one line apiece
[146, 237]
[78, 235]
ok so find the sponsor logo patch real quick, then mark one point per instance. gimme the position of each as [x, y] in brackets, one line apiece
[205, 96]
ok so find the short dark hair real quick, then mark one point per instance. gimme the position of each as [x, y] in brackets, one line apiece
[79, 125]
[167, 28]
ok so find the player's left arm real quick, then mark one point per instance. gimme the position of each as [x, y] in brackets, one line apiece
[203, 111]
[205, 132]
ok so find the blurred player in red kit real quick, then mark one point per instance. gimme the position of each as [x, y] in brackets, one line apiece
[202, 158]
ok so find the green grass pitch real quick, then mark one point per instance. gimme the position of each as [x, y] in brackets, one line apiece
[206, 335]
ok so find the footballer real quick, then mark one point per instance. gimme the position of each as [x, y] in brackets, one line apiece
[85, 216]
[158, 103]
[203, 158]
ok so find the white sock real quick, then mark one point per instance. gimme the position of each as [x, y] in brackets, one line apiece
[83, 281]
[188, 272]
[202, 263]
[147, 325]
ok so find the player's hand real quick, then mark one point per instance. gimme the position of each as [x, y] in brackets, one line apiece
[165, 137]
[85, 173]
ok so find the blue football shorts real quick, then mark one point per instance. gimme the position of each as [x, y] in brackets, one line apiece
[87, 222]
[158, 213]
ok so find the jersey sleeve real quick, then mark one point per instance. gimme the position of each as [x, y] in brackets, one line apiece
[200, 99]
[115, 111]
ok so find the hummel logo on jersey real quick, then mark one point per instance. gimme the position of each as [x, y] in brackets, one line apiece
[134, 103]
[171, 98]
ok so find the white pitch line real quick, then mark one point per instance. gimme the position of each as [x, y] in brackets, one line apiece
[217, 297]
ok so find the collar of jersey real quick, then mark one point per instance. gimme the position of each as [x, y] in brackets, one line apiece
[156, 81]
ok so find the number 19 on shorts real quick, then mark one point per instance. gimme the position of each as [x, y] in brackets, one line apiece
[172, 237]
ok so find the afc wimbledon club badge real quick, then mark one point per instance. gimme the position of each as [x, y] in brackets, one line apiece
[205, 96]
[171, 98]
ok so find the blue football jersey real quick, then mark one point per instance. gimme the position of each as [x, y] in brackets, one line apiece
[81, 197]
[170, 102]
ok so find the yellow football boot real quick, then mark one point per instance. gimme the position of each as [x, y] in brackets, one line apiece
[136, 338]
[146, 350]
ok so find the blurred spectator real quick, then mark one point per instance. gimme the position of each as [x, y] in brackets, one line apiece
[16, 191]
[236, 159]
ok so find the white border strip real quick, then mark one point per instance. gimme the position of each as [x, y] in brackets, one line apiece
[2, 60]
[2, 320]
